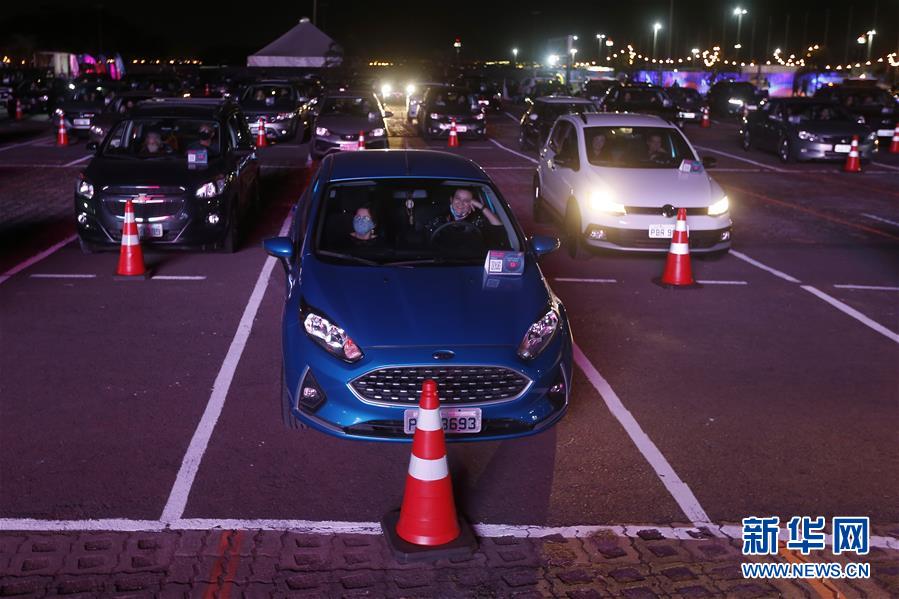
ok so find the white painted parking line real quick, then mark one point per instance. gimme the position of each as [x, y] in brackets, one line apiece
[850, 311]
[867, 287]
[36, 258]
[78, 161]
[21, 144]
[33, 165]
[675, 486]
[482, 530]
[886, 166]
[178, 277]
[510, 150]
[174, 506]
[881, 219]
[512, 116]
[713, 282]
[742, 159]
[570, 280]
[44, 275]
[765, 267]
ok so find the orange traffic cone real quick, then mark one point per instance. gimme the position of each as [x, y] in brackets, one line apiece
[677, 268]
[427, 525]
[705, 123]
[361, 144]
[19, 113]
[894, 147]
[131, 258]
[261, 141]
[453, 141]
[853, 164]
[62, 136]
[206, 90]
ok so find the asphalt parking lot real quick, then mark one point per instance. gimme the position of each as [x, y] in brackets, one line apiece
[771, 390]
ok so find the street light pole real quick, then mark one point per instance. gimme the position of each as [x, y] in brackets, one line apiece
[599, 38]
[515, 56]
[739, 12]
[655, 34]
[871, 35]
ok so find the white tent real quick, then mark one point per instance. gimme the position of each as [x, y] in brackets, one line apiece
[305, 45]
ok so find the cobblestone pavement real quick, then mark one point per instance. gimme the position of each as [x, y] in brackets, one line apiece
[246, 563]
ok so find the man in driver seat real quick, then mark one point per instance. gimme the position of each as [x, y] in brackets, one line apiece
[464, 207]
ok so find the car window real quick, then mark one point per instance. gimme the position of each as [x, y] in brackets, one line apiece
[270, 94]
[412, 222]
[240, 131]
[353, 106]
[636, 147]
[162, 138]
[569, 148]
[558, 134]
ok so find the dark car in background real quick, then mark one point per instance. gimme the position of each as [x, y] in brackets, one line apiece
[488, 93]
[730, 98]
[641, 99]
[542, 113]
[689, 103]
[119, 106]
[188, 166]
[414, 97]
[441, 106]
[877, 108]
[595, 89]
[79, 107]
[277, 104]
[805, 129]
[341, 117]
[38, 95]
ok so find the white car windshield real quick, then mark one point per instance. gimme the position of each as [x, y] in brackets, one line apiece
[636, 147]
[408, 222]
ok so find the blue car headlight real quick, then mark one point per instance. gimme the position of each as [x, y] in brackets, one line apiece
[539, 335]
[331, 337]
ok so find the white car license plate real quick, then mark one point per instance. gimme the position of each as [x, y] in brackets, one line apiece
[664, 231]
[842, 148]
[461, 128]
[349, 146]
[455, 420]
[689, 115]
[149, 229]
[82, 122]
[884, 133]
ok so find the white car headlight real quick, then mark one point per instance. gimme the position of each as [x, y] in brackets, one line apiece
[282, 116]
[735, 101]
[410, 88]
[211, 189]
[539, 335]
[386, 89]
[97, 130]
[322, 131]
[719, 207]
[601, 201]
[808, 136]
[331, 337]
[84, 189]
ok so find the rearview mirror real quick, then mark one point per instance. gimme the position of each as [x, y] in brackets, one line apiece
[544, 244]
[279, 247]
[709, 161]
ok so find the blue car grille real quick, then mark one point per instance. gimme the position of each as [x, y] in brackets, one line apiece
[455, 385]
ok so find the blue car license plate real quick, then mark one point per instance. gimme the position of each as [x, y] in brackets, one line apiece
[455, 420]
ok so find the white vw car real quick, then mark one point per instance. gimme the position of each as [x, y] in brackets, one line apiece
[615, 181]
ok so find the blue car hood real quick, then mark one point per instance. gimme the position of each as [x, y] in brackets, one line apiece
[439, 306]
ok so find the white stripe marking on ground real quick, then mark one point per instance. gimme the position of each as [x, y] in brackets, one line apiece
[711, 282]
[21, 144]
[765, 267]
[62, 276]
[742, 159]
[510, 150]
[867, 287]
[78, 161]
[672, 482]
[886, 166]
[881, 219]
[36, 258]
[733, 531]
[512, 116]
[850, 311]
[571, 280]
[174, 506]
[179, 277]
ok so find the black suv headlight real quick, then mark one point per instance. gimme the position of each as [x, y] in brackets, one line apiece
[539, 335]
[84, 188]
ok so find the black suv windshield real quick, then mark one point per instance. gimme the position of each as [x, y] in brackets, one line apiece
[357, 106]
[797, 113]
[636, 147]
[408, 222]
[162, 138]
[269, 94]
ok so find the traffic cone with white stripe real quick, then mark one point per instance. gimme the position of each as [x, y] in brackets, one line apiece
[361, 143]
[705, 123]
[678, 272]
[894, 146]
[427, 525]
[20, 114]
[261, 141]
[853, 164]
[62, 136]
[453, 141]
[131, 258]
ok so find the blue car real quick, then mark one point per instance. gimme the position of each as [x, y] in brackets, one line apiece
[405, 265]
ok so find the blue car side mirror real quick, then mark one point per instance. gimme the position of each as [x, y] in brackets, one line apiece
[279, 247]
[544, 244]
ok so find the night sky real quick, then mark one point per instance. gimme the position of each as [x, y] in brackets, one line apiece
[219, 31]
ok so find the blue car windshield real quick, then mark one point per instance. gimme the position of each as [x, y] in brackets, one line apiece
[412, 222]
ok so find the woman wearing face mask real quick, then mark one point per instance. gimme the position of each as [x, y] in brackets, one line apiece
[363, 232]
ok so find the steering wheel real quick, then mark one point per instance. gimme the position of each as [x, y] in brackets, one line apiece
[462, 226]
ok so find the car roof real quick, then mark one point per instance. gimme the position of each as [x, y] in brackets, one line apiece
[349, 93]
[181, 107]
[562, 100]
[617, 119]
[399, 164]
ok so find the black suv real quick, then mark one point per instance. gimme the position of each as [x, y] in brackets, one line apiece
[542, 113]
[442, 105]
[729, 98]
[871, 105]
[188, 166]
[278, 104]
[641, 99]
